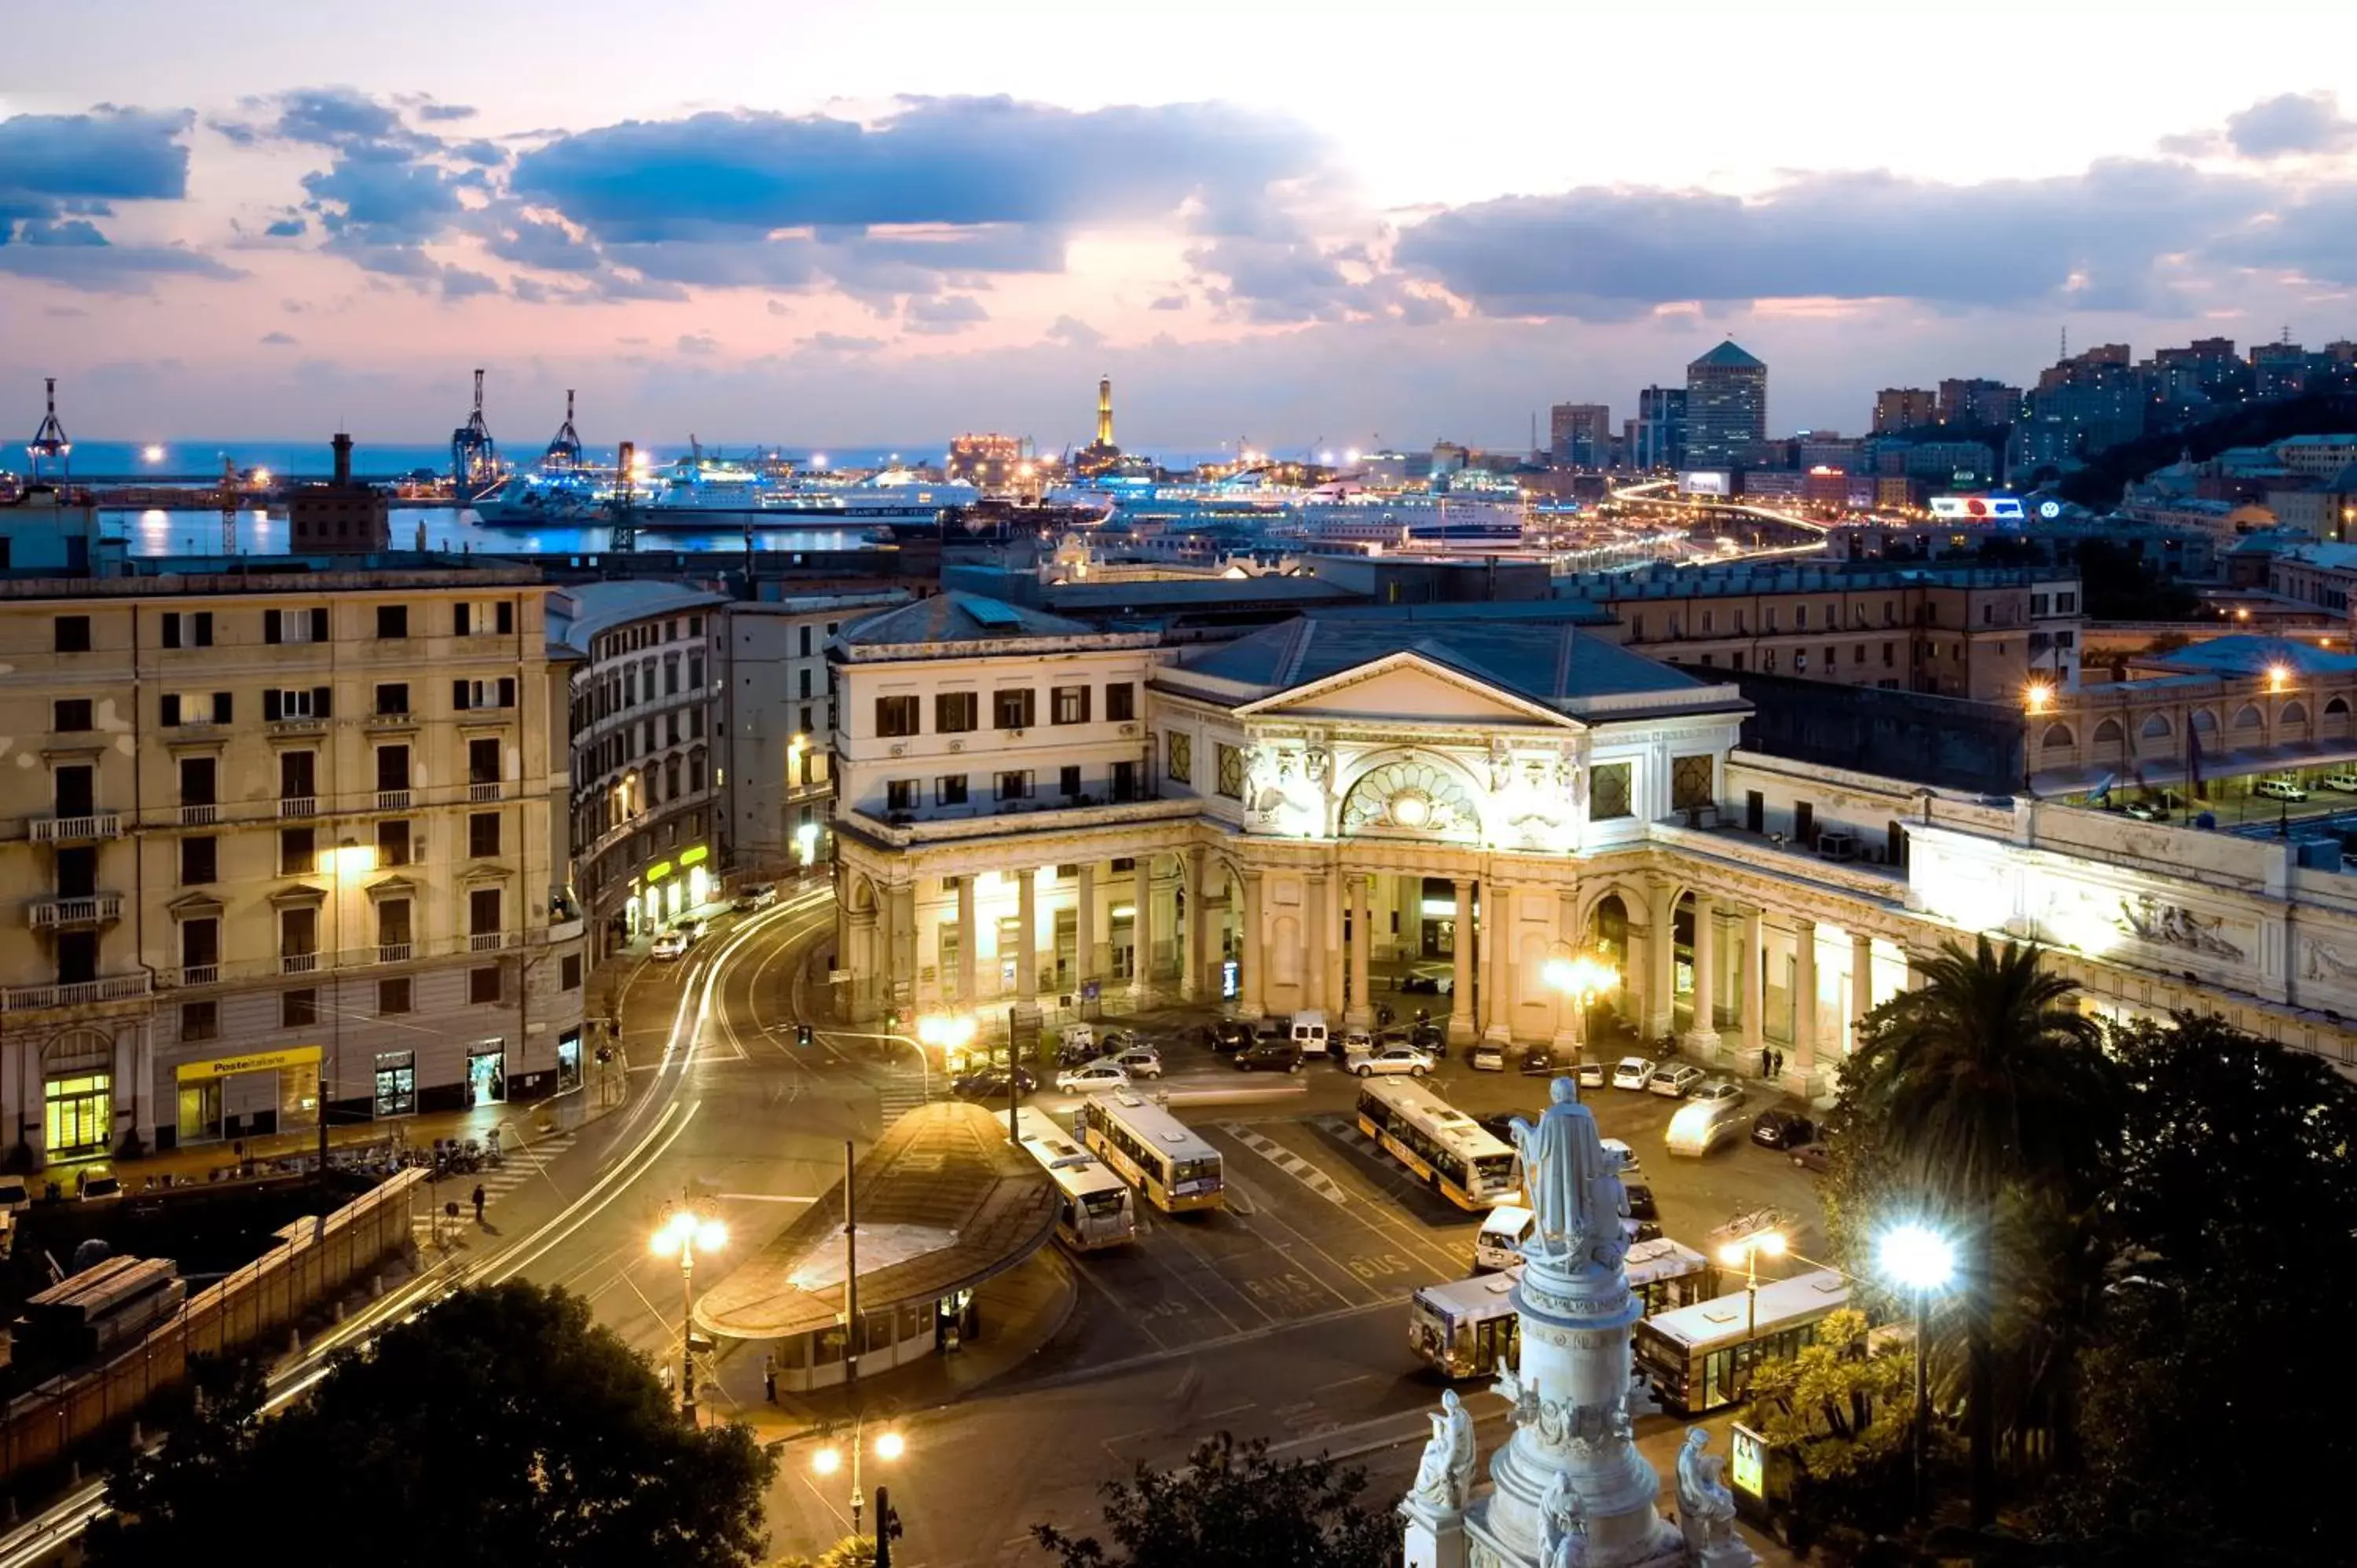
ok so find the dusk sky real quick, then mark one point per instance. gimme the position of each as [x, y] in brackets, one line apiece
[851, 223]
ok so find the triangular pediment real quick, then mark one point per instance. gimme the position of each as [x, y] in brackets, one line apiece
[1406, 688]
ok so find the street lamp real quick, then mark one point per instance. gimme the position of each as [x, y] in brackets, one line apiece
[2036, 698]
[829, 1460]
[683, 1232]
[1581, 978]
[1746, 1250]
[1921, 1259]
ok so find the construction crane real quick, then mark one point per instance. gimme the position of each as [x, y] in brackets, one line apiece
[228, 504]
[564, 453]
[48, 448]
[474, 455]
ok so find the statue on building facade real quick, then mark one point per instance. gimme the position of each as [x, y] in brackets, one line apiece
[1570, 1184]
[1705, 1506]
[1444, 1477]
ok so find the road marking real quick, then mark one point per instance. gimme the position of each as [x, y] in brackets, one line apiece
[763, 1198]
[1286, 1160]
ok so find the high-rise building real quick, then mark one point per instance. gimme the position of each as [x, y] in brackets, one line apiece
[1579, 435]
[1658, 435]
[1726, 406]
[1904, 408]
[1978, 401]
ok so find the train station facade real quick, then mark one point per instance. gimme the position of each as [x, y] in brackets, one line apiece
[1033, 810]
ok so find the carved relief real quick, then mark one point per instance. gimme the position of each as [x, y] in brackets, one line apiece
[2324, 963]
[2146, 918]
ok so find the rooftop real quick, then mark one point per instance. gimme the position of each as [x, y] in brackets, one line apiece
[577, 615]
[1727, 356]
[2246, 655]
[960, 618]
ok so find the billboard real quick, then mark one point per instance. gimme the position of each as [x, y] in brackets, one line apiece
[1977, 509]
[1706, 482]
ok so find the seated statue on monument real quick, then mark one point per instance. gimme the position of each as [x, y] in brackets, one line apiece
[1571, 1183]
[1444, 1477]
[1705, 1506]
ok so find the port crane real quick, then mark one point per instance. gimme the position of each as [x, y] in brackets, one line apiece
[50, 451]
[564, 453]
[474, 455]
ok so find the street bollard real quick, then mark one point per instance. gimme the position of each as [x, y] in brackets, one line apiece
[138, 1438]
[295, 1345]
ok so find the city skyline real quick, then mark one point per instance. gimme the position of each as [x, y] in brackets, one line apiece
[896, 242]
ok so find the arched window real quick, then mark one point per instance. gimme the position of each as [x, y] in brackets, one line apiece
[2156, 727]
[2204, 721]
[2109, 733]
[2057, 737]
[2337, 708]
[2294, 713]
[2249, 717]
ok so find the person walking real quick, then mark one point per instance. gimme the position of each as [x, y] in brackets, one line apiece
[770, 1377]
[479, 1203]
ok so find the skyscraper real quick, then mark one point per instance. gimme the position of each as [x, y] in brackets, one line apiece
[1579, 435]
[1661, 428]
[1904, 408]
[1726, 406]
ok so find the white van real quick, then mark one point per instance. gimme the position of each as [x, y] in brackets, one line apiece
[1078, 1038]
[2281, 790]
[1498, 1246]
[1310, 1033]
[1704, 1125]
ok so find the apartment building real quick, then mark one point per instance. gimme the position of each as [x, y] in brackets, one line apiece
[278, 836]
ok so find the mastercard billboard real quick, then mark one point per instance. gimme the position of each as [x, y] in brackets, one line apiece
[1978, 509]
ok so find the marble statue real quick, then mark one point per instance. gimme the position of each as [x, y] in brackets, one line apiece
[1571, 1184]
[1705, 1506]
[1561, 1523]
[1444, 1477]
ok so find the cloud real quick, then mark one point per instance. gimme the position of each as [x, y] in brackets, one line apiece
[343, 118]
[63, 232]
[2096, 239]
[55, 164]
[838, 343]
[779, 307]
[1075, 332]
[445, 112]
[2291, 122]
[951, 313]
[698, 343]
[286, 229]
[1168, 302]
[458, 283]
[543, 243]
[73, 253]
[487, 153]
[279, 339]
[63, 312]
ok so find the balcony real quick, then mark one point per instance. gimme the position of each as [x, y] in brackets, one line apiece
[74, 830]
[199, 975]
[393, 799]
[487, 941]
[394, 952]
[298, 805]
[480, 792]
[202, 816]
[298, 962]
[78, 993]
[55, 914]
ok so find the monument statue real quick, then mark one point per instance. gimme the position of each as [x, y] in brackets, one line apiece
[1705, 1506]
[1570, 1184]
[1444, 1477]
[1560, 1517]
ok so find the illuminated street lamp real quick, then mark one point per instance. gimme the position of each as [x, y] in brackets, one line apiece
[1745, 1250]
[2036, 698]
[2278, 676]
[829, 1458]
[1581, 978]
[1921, 1259]
[683, 1232]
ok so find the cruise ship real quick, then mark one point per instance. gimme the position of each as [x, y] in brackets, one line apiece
[692, 491]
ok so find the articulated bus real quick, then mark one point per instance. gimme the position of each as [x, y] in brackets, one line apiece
[1092, 1207]
[1699, 1358]
[1438, 1142]
[1468, 1327]
[1153, 1150]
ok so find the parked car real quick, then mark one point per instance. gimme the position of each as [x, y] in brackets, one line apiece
[1138, 1061]
[1538, 1061]
[1428, 1037]
[2149, 812]
[1717, 1090]
[1813, 1156]
[1623, 1153]
[1640, 1200]
[670, 946]
[1674, 1081]
[1275, 1054]
[1112, 1042]
[1357, 1042]
[1634, 1072]
[1489, 1056]
[1591, 1073]
[990, 1083]
[1227, 1034]
[2281, 790]
[1498, 1243]
[15, 1196]
[760, 896]
[1096, 1076]
[2345, 783]
[99, 1186]
[1782, 1128]
[1408, 1059]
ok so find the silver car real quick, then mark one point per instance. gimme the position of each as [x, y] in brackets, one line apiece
[1408, 1059]
[1674, 1081]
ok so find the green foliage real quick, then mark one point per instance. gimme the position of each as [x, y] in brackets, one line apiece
[1842, 1414]
[500, 1426]
[851, 1551]
[1234, 1507]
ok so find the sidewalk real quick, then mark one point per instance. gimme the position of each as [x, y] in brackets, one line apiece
[1021, 1310]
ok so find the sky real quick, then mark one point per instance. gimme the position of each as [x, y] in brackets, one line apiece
[1286, 225]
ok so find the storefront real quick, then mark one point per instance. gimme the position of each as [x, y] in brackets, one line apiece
[248, 1096]
[487, 1072]
[396, 1084]
[78, 1115]
[569, 1060]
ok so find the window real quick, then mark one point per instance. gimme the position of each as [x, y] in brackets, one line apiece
[2066, 604]
[1014, 785]
[201, 1020]
[949, 790]
[1121, 701]
[200, 861]
[2039, 603]
[467, 695]
[1124, 781]
[295, 626]
[483, 620]
[900, 795]
[1609, 792]
[393, 996]
[1889, 655]
[1800, 615]
[296, 703]
[483, 834]
[569, 973]
[298, 1009]
[1012, 709]
[392, 625]
[392, 699]
[182, 629]
[1070, 704]
[954, 712]
[199, 952]
[72, 634]
[174, 709]
[1799, 662]
[1690, 782]
[69, 715]
[1178, 758]
[483, 912]
[483, 986]
[1858, 654]
[197, 773]
[805, 642]
[1231, 771]
[392, 843]
[896, 715]
[298, 851]
[1069, 780]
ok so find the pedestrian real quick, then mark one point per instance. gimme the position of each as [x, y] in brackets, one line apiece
[769, 1377]
[479, 1203]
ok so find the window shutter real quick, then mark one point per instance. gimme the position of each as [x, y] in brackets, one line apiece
[221, 707]
[458, 688]
[507, 616]
[171, 713]
[321, 698]
[458, 619]
[270, 702]
[171, 635]
[270, 628]
[319, 624]
[204, 629]
[507, 690]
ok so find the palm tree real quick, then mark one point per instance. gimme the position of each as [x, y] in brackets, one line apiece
[1986, 1077]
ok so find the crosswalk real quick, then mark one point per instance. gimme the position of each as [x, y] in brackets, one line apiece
[519, 1167]
[897, 1094]
[1286, 1160]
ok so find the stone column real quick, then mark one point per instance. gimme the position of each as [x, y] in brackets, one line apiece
[1141, 931]
[1661, 963]
[1250, 959]
[1460, 999]
[1861, 987]
[1191, 960]
[1084, 928]
[903, 962]
[862, 955]
[1702, 1034]
[1498, 947]
[1803, 1065]
[1329, 921]
[1567, 1020]
[1314, 936]
[1754, 981]
[968, 996]
[1361, 1012]
[1026, 940]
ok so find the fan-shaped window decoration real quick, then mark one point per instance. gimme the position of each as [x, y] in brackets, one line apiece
[2057, 737]
[2156, 727]
[2339, 706]
[1411, 796]
[2294, 713]
[2109, 733]
[2249, 717]
[2204, 721]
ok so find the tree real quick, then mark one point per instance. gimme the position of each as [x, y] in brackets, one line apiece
[500, 1426]
[1235, 1506]
[1985, 1077]
[1842, 1414]
[851, 1551]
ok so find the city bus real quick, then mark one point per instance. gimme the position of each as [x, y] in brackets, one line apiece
[1438, 1142]
[1468, 1327]
[1092, 1207]
[1699, 1358]
[1153, 1150]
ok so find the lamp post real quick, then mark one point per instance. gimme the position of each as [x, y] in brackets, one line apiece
[829, 1460]
[683, 1232]
[1921, 1259]
[1746, 1250]
[2037, 699]
[1580, 978]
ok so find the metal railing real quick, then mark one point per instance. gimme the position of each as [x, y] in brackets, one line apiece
[63, 830]
[487, 941]
[52, 912]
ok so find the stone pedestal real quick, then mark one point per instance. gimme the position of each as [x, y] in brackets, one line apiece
[1433, 1538]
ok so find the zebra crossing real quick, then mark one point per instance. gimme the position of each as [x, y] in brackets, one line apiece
[519, 1167]
[897, 1094]
[1286, 1160]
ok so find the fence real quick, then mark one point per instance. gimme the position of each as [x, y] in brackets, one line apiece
[268, 1294]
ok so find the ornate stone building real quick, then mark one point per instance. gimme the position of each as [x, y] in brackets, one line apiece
[1472, 789]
